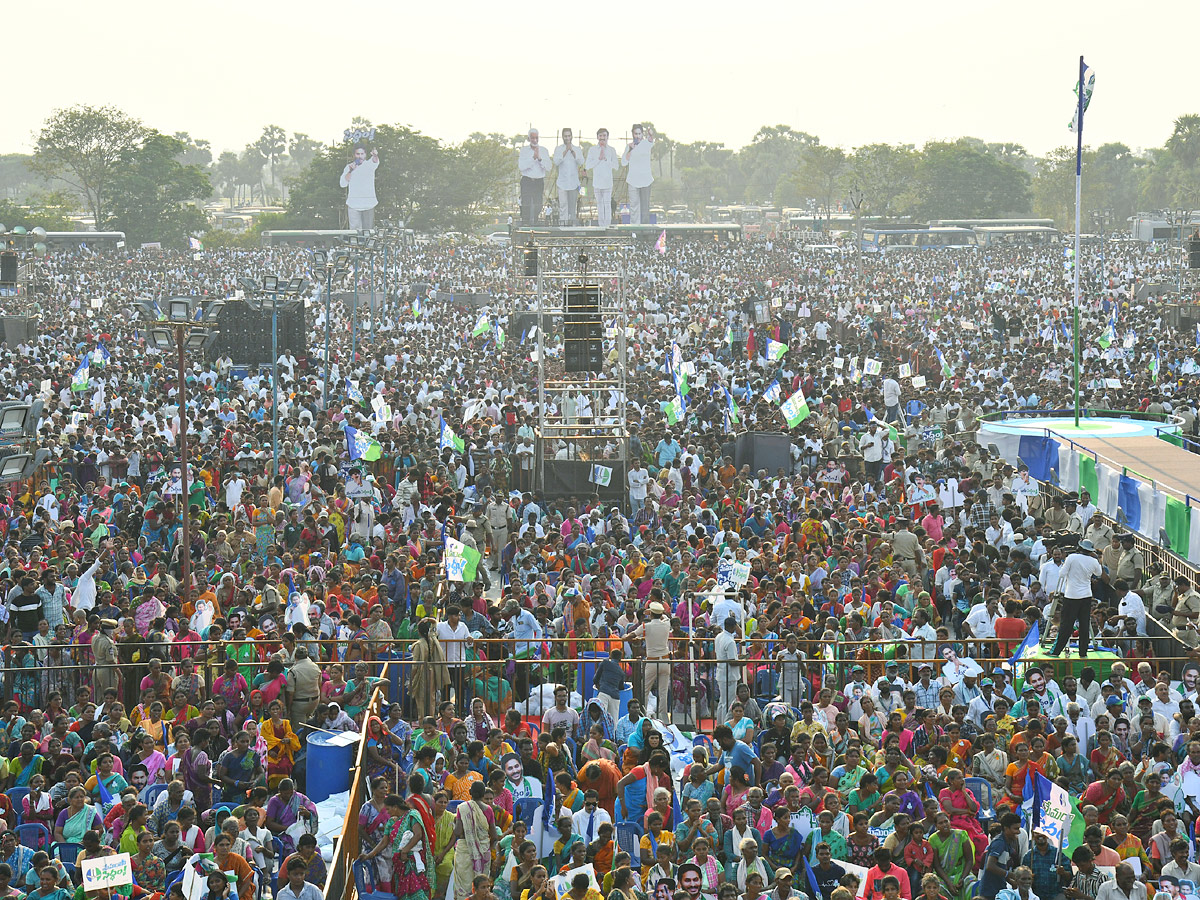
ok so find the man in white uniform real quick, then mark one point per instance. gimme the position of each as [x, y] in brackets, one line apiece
[359, 180]
[639, 178]
[1075, 584]
[534, 164]
[729, 667]
[602, 161]
[568, 159]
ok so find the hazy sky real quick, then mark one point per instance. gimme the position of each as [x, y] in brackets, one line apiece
[850, 72]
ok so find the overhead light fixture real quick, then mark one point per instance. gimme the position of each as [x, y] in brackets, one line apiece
[270, 283]
[13, 466]
[296, 285]
[212, 312]
[249, 285]
[179, 309]
[342, 259]
[13, 418]
[199, 339]
[162, 338]
[320, 259]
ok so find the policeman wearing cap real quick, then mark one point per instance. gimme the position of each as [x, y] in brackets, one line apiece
[1075, 580]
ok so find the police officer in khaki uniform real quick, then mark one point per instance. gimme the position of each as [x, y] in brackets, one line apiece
[907, 549]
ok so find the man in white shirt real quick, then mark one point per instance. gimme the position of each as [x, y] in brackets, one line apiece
[534, 164]
[454, 636]
[1130, 605]
[568, 159]
[891, 400]
[639, 480]
[359, 180]
[639, 177]
[871, 445]
[982, 619]
[1075, 584]
[602, 162]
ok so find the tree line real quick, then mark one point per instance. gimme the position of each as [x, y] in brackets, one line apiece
[127, 176]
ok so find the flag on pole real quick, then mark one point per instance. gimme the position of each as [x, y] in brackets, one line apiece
[1198, 334]
[106, 797]
[947, 370]
[483, 326]
[601, 475]
[101, 356]
[1089, 84]
[673, 409]
[1154, 366]
[416, 307]
[661, 244]
[79, 381]
[1053, 812]
[354, 393]
[194, 244]
[773, 392]
[872, 366]
[449, 439]
[499, 336]
[795, 409]
[730, 405]
[362, 446]
[776, 349]
[729, 335]
[461, 561]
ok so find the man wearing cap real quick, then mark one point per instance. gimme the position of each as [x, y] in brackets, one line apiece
[891, 676]
[304, 686]
[1075, 585]
[1132, 564]
[656, 632]
[1185, 611]
[983, 705]
[926, 689]
[854, 691]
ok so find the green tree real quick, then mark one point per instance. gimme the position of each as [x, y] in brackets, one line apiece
[50, 211]
[479, 183]
[963, 180]
[152, 193]
[821, 174]
[774, 152]
[302, 149]
[17, 176]
[271, 146]
[227, 175]
[85, 146]
[195, 152]
[884, 174]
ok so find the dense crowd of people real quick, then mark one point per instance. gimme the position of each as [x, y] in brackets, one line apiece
[843, 689]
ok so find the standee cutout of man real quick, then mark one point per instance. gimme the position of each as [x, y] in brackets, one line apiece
[534, 165]
[568, 159]
[359, 180]
[636, 159]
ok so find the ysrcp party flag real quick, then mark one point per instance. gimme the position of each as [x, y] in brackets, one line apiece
[872, 367]
[601, 475]
[1052, 815]
[1089, 84]
[776, 349]
[461, 561]
[795, 409]
[450, 439]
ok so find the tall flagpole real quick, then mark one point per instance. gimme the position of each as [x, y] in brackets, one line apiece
[1078, 183]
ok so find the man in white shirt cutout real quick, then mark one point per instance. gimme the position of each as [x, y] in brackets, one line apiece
[568, 159]
[534, 165]
[602, 162]
[359, 180]
[639, 177]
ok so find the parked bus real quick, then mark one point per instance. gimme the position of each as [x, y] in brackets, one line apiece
[989, 223]
[106, 241]
[931, 238]
[319, 238]
[1017, 235]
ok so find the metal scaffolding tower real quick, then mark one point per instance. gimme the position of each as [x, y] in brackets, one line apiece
[596, 429]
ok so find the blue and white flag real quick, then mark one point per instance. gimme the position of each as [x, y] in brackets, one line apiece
[101, 356]
[1089, 84]
[1052, 811]
[360, 445]
[79, 381]
[773, 392]
[449, 439]
[354, 393]
[730, 406]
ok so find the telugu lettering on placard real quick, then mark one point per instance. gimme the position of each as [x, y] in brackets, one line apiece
[107, 871]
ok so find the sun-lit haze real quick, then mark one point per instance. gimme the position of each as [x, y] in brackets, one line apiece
[851, 73]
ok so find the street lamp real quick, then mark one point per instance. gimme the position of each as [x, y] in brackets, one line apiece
[338, 265]
[182, 323]
[856, 200]
[268, 298]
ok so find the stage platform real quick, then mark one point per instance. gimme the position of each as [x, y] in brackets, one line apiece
[1172, 468]
[522, 233]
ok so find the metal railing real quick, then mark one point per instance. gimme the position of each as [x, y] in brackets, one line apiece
[339, 880]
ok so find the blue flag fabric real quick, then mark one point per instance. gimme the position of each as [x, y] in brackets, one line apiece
[1129, 503]
[1031, 640]
[106, 797]
[548, 816]
[814, 889]
[1040, 453]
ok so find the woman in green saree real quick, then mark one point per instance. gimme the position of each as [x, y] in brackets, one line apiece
[954, 858]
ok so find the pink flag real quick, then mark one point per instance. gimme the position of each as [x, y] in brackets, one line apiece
[661, 244]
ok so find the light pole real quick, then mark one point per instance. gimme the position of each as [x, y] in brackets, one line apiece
[856, 200]
[338, 266]
[262, 299]
[188, 323]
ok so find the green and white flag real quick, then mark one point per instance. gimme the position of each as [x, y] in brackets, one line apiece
[499, 336]
[601, 475]
[1089, 84]
[1106, 337]
[79, 381]
[1154, 366]
[795, 409]
[729, 335]
[461, 561]
[483, 326]
[776, 349]
[673, 409]
[449, 439]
